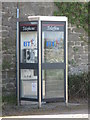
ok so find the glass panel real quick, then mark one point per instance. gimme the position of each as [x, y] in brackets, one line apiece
[52, 42]
[29, 83]
[29, 47]
[53, 83]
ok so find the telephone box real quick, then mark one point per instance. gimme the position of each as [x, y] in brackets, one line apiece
[43, 59]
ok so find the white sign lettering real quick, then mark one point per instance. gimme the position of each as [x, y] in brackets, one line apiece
[28, 28]
[53, 28]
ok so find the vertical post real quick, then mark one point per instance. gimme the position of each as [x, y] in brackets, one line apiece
[39, 102]
[66, 63]
[17, 55]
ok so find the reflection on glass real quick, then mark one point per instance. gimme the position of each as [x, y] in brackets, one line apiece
[29, 83]
[29, 47]
[53, 83]
[53, 44]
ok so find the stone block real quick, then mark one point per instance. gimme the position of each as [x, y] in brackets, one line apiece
[79, 30]
[73, 37]
[84, 61]
[11, 74]
[84, 56]
[84, 43]
[7, 58]
[77, 56]
[71, 43]
[78, 49]
[8, 62]
[4, 76]
[5, 33]
[86, 49]
[77, 43]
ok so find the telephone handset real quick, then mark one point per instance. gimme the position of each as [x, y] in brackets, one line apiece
[28, 55]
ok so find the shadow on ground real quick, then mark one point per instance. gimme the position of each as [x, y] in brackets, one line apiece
[30, 108]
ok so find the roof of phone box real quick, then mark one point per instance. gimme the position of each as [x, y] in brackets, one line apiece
[48, 18]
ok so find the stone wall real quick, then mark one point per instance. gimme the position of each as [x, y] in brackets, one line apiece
[77, 41]
[77, 50]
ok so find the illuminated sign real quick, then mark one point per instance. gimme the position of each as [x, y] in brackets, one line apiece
[53, 28]
[28, 26]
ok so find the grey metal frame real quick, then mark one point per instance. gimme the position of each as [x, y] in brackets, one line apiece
[55, 66]
[17, 60]
[28, 65]
[40, 66]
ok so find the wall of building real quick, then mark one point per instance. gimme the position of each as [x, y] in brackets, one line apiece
[77, 41]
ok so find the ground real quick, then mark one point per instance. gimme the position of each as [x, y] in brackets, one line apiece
[31, 108]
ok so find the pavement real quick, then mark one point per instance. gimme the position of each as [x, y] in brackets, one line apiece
[48, 110]
[51, 116]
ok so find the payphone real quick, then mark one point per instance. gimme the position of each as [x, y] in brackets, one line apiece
[28, 60]
[43, 59]
[29, 56]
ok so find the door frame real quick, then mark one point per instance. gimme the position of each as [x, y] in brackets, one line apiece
[28, 65]
[39, 19]
[46, 66]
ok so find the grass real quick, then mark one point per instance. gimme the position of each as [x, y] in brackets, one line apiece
[78, 85]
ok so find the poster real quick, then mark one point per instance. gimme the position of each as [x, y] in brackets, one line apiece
[34, 87]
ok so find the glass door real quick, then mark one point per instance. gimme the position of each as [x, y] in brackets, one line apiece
[28, 60]
[53, 61]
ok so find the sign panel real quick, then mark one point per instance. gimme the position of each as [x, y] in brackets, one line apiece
[53, 26]
[34, 87]
[28, 26]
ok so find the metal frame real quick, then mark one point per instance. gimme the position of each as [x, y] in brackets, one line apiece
[55, 65]
[28, 65]
[40, 69]
[66, 61]
[39, 66]
[17, 60]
